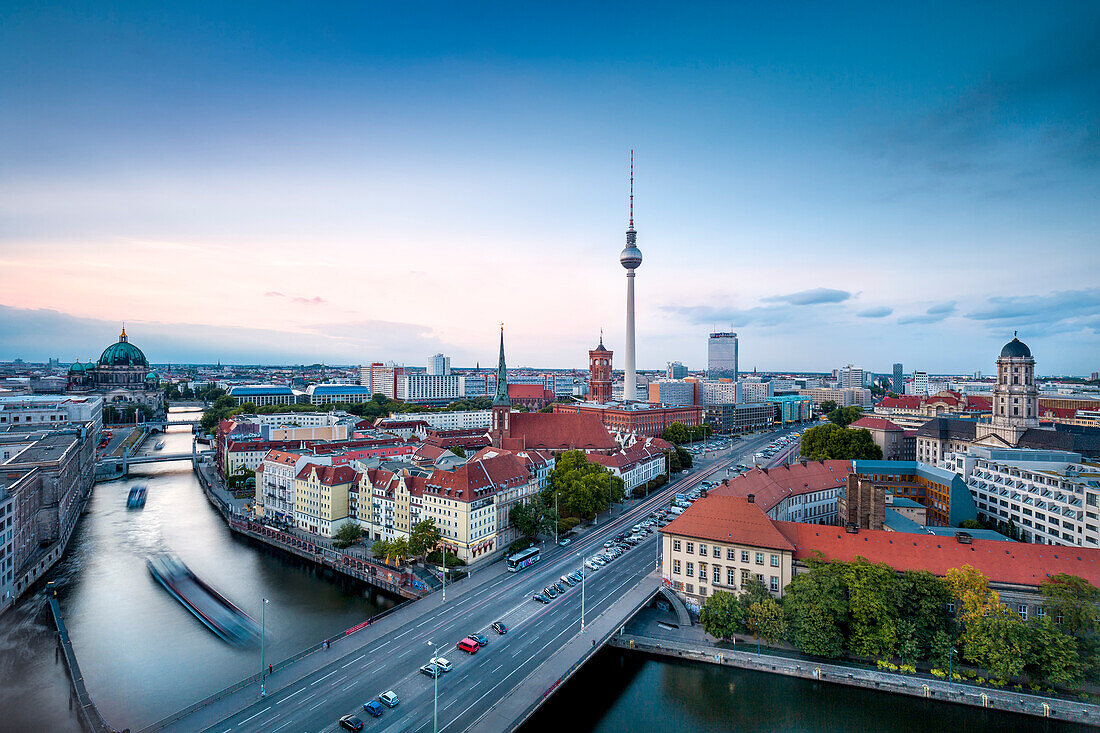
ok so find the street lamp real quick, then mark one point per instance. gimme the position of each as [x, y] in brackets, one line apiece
[555, 516]
[263, 638]
[435, 703]
[583, 574]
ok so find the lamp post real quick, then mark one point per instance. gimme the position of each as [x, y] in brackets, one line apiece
[435, 702]
[555, 516]
[583, 574]
[263, 639]
[444, 573]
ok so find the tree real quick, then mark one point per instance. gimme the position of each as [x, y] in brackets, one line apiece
[971, 592]
[845, 416]
[676, 433]
[382, 549]
[921, 600]
[528, 518]
[816, 610]
[827, 406]
[721, 615]
[1000, 642]
[752, 591]
[1072, 604]
[872, 629]
[832, 442]
[765, 620]
[1054, 658]
[683, 458]
[423, 537]
[583, 488]
[348, 534]
[399, 549]
[458, 451]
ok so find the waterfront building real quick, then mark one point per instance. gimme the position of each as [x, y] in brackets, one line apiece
[439, 365]
[897, 382]
[676, 370]
[41, 411]
[321, 497]
[44, 481]
[323, 394]
[722, 355]
[122, 377]
[262, 395]
[804, 491]
[1049, 496]
[599, 373]
[740, 418]
[941, 491]
[275, 487]
[897, 443]
[721, 543]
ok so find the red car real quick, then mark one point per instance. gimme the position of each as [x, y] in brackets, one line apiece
[469, 646]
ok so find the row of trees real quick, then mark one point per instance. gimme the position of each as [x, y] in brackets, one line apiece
[842, 416]
[830, 441]
[423, 538]
[582, 489]
[678, 433]
[869, 610]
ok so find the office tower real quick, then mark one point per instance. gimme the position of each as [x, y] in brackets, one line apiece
[897, 384]
[722, 355]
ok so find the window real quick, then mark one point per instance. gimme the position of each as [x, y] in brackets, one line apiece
[675, 567]
[1022, 610]
[716, 574]
[775, 561]
[731, 577]
[744, 576]
[716, 552]
[774, 584]
[702, 572]
[676, 545]
[690, 588]
[731, 554]
[760, 558]
[1041, 612]
[690, 570]
[744, 555]
[951, 608]
[691, 547]
[702, 549]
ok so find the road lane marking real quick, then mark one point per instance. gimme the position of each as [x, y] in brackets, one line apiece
[323, 678]
[354, 660]
[290, 696]
[282, 726]
[498, 667]
[353, 684]
[319, 704]
[253, 716]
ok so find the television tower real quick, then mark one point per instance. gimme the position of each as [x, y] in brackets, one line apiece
[631, 259]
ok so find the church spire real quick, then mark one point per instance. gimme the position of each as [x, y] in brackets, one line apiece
[501, 398]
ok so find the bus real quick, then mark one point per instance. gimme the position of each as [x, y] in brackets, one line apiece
[522, 559]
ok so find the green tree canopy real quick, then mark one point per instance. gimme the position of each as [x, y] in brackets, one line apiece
[765, 620]
[832, 442]
[423, 537]
[828, 406]
[845, 416]
[721, 615]
[348, 534]
[872, 629]
[583, 488]
[816, 610]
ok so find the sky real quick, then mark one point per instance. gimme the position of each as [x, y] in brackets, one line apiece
[354, 182]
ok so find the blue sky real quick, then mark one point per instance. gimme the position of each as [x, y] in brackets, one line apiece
[347, 183]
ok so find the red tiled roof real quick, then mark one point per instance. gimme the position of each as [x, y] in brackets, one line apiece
[903, 402]
[773, 485]
[875, 423]
[278, 456]
[529, 392]
[476, 479]
[557, 431]
[329, 475]
[731, 519]
[1002, 562]
[978, 403]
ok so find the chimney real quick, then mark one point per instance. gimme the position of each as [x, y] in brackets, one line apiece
[752, 498]
[964, 538]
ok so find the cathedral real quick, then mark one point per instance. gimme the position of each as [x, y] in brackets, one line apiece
[121, 376]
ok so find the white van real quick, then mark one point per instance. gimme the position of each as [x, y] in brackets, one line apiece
[676, 510]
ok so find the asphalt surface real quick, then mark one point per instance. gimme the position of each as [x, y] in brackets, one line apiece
[358, 673]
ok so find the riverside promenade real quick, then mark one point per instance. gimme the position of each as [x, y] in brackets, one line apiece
[693, 644]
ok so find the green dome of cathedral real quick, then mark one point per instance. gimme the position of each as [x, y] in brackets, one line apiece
[123, 353]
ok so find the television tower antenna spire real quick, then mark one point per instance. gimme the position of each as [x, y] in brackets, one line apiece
[632, 189]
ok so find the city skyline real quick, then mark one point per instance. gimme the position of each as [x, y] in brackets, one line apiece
[333, 187]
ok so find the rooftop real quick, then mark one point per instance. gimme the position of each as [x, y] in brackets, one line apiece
[731, 519]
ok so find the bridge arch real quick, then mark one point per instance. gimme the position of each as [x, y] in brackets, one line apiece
[678, 606]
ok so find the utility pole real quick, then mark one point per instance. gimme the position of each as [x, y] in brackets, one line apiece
[555, 516]
[263, 639]
[583, 574]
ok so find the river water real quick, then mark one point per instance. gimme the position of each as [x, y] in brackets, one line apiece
[143, 655]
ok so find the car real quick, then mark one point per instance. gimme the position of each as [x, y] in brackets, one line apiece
[479, 638]
[500, 628]
[389, 698]
[607, 544]
[432, 670]
[564, 542]
[373, 708]
[577, 577]
[351, 722]
[550, 592]
[568, 581]
[591, 565]
[540, 598]
[443, 663]
[560, 587]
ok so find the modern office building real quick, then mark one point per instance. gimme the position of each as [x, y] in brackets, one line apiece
[942, 492]
[381, 378]
[323, 394]
[792, 408]
[739, 418]
[919, 385]
[722, 392]
[265, 394]
[722, 355]
[675, 392]
[897, 381]
[439, 365]
[676, 370]
[860, 397]
[755, 390]
[851, 377]
[429, 389]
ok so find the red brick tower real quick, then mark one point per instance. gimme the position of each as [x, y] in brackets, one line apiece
[599, 368]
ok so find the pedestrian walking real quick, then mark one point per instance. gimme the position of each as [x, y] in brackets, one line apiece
[270, 669]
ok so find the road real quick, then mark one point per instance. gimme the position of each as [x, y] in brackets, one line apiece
[361, 672]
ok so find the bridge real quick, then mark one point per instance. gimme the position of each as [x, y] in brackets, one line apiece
[495, 689]
[117, 466]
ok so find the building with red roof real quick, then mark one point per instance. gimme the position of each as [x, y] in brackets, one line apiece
[806, 491]
[531, 396]
[321, 498]
[897, 443]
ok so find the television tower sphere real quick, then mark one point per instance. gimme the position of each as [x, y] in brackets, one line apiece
[631, 256]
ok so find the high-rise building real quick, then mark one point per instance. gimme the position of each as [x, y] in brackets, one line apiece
[381, 378]
[599, 373]
[439, 365]
[919, 386]
[631, 259]
[676, 370]
[897, 384]
[850, 377]
[722, 355]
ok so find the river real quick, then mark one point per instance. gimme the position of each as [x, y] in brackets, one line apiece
[144, 656]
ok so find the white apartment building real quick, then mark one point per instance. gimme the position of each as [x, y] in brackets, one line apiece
[754, 390]
[380, 378]
[1051, 496]
[919, 385]
[439, 365]
[722, 393]
[783, 385]
[430, 388]
[456, 420]
[851, 377]
[297, 419]
[50, 410]
[842, 397]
